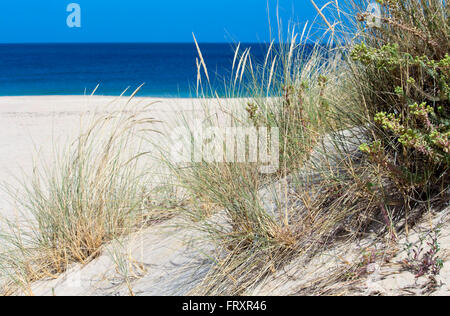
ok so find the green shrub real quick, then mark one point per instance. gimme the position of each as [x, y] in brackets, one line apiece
[402, 68]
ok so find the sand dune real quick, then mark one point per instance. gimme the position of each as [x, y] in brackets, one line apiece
[170, 262]
[35, 127]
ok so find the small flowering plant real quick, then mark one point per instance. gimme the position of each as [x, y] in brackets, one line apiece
[424, 136]
[423, 258]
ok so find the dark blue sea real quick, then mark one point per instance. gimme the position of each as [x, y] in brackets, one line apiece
[168, 70]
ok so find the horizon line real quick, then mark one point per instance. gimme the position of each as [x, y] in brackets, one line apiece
[122, 42]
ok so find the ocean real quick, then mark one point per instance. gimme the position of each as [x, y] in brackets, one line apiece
[168, 70]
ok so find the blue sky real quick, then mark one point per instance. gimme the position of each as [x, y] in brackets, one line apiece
[25, 21]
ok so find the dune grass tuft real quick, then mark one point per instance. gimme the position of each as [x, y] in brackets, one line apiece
[92, 194]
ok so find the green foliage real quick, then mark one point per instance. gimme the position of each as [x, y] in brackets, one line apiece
[427, 138]
[389, 58]
[405, 88]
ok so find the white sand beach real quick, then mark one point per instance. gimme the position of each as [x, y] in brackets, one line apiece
[35, 127]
